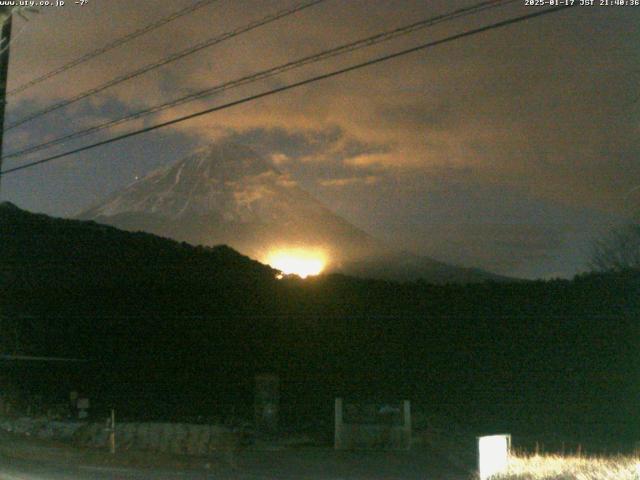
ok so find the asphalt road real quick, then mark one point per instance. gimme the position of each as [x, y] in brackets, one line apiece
[19, 469]
[304, 464]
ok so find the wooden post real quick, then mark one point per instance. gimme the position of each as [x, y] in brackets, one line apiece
[112, 433]
[338, 441]
[407, 424]
[267, 403]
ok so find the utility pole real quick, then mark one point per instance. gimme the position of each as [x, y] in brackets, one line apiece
[6, 14]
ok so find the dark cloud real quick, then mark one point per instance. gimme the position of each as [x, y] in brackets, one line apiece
[316, 157]
[296, 144]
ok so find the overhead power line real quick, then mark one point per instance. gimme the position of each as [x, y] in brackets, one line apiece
[169, 59]
[114, 44]
[271, 72]
[291, 86]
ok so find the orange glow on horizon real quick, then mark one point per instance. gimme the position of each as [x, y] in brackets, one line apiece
[297, 261]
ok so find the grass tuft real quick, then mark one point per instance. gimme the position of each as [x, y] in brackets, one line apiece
[558, 467]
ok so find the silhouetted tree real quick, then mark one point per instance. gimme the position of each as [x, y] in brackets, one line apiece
[620, 250]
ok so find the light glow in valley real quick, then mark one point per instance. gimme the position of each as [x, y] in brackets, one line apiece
[299, 261]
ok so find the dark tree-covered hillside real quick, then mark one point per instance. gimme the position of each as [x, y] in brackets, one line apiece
[174, 330]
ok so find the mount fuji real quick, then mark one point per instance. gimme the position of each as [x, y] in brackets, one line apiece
[228, 194]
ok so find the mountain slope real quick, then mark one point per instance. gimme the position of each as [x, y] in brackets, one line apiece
[228, 194]
[41, 253]
[408, 267]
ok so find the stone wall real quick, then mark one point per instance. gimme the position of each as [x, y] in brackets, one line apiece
[176, 438]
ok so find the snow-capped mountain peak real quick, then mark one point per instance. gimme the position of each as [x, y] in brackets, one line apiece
[224, 178]
[227, 193]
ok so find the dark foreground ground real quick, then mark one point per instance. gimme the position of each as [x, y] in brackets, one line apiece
[25, 459]
[301, 465]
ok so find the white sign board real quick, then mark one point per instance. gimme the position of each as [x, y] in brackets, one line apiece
[493, 455]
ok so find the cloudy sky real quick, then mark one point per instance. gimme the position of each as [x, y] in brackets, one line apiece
[510, 150]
